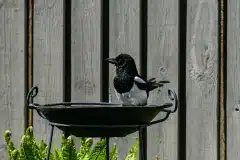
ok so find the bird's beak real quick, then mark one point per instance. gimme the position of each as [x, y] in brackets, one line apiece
[111, 60]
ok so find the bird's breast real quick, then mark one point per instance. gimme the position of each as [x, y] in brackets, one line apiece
[123, 85]
[135, 96]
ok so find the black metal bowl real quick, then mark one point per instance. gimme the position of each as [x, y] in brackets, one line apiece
[97, 130]
[100, 114]
[98, 119]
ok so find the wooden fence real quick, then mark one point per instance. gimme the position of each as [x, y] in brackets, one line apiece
[59, 45]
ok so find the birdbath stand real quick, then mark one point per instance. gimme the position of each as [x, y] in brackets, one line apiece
[100, 119]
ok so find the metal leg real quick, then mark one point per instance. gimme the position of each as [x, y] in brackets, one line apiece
[50, 143]
[143, 149]
[107, 148]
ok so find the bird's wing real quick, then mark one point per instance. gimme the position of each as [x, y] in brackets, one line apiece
[141, 84]
[139, 79]
[148, 85]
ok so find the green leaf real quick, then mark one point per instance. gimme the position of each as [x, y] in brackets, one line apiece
[156, 157]
[68, 149]
[73, 148]
[86, 156]
[99, 150]
[42, 149]
[113, 153]
[33, 144]
[51, 156]
[85, 148]
[57, 155]
[9, 142]
[26, 152]
[14, 155]
[64, 150]
[132, 154]
[29, 150]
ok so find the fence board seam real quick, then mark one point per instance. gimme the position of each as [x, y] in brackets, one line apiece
[28, 66]
[222, 41]
[182, 40]
[104, 50]
[67, 51]
[143, 53]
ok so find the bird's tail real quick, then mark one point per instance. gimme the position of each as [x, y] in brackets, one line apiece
[153, 84]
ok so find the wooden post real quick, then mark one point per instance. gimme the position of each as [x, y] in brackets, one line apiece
[29, 59]
[222, 79]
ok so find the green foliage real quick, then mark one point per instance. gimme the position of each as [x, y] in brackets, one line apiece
[42, 149]
[99, 150]
[133, 151]
[9, 142]
[30, 150]
[113, 153]
[69, 151]
[156, 157]
[85, 149]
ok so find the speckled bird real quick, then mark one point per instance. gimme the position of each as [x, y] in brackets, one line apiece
[130, 88]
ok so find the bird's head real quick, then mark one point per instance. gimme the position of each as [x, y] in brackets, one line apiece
[123, 62]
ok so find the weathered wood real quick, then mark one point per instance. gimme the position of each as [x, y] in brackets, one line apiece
[48, 61]
[222, 80]
[202, 80]
[163, 64]
[124, 38]
[233, 87]
[86, 50]
[12, 50]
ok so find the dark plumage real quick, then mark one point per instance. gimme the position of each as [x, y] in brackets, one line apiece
[130, 87]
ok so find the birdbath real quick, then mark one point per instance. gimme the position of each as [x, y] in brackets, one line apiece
[100, 119]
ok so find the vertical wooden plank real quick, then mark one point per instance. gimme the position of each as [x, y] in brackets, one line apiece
[124, 38]
[233, 85]
[48, 60]
[86, 65]
[163, 64]
[86, 50]
[12, 53]
[202, 76]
